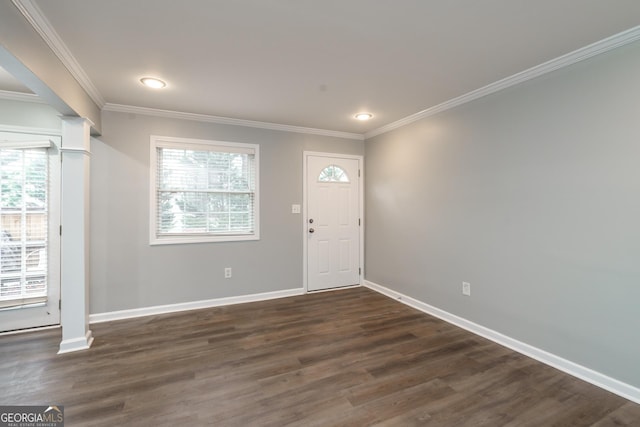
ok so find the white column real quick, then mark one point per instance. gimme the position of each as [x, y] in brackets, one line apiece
[74, 252]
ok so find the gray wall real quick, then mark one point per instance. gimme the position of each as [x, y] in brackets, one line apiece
[128, 273]
[28, 114]
[533, 196]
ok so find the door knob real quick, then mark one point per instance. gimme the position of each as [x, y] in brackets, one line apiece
[311, 230]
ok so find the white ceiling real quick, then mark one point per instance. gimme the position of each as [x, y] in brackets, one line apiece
[316, 63]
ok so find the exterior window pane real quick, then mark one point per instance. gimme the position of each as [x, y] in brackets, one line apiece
[206, 192]
[333, 173]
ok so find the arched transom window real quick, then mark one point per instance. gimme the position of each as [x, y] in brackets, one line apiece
[333, 173]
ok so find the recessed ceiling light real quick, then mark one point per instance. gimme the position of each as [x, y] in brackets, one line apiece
[364, 116]
[153, 82]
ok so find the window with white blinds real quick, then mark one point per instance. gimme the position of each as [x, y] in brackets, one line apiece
[24, 204]
[203, 191]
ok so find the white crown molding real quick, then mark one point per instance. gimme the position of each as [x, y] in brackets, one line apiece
[21, 96]
[41, 24]
[597, 48]
[119, 108]
[599, 379]
[35, 17]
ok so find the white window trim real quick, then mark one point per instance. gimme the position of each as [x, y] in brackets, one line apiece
[174, 142]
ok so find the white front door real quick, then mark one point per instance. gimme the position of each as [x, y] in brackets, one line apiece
[332, 221]
[29, 222]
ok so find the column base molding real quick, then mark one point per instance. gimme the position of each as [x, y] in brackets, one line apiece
[76, 344]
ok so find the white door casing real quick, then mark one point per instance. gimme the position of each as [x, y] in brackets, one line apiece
[332, 220]
[47, 313]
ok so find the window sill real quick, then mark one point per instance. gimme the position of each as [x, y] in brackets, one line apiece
[181, 240]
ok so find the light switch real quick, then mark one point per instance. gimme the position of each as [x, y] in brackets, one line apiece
[295, 209]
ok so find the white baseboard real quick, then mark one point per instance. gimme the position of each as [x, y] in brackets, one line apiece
[193, 305]
[76, 344]
[25, 331]
[589, 375]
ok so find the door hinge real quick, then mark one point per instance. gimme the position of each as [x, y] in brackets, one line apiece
[359, 221]
[59, 304]
[359, 271]
[61, 230]
[358, 173]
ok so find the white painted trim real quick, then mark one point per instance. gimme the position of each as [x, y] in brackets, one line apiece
[76, 344]
[31, 130]
[44, 143]
[21, 96]
[597, 48]
[24, 331]
[74, 242]
[589, 375]
[76, 151]
[41, 24]
[305, 213]
[193, 305]
[305, 222]
[118, 108]
[80, 121]
[54, 241]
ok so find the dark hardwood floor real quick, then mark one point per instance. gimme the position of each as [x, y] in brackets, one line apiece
[344, 358]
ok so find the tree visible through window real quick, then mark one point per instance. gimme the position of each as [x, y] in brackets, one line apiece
[333, 173]
[23, 216]
[204, 191]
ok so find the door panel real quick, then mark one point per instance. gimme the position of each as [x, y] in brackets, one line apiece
[344, 256]
[333, 230]
[323, 257]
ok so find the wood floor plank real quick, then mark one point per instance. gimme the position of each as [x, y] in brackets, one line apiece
[345, 358]
[626, 415]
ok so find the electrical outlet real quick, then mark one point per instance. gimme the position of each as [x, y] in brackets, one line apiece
[227, 272]
[466, 288]
[295, 209]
